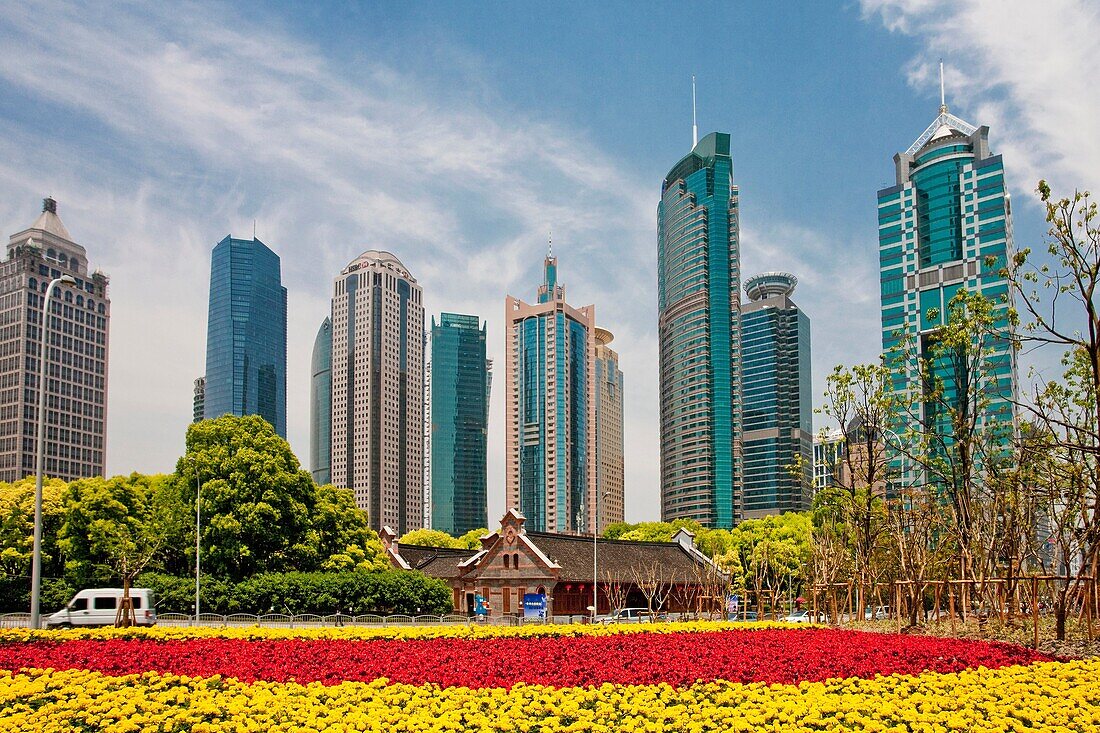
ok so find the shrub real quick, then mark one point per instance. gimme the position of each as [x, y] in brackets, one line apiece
[359, 592]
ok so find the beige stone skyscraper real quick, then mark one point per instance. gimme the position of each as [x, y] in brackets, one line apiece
[76, 359]
[378, 390]
[608, 392]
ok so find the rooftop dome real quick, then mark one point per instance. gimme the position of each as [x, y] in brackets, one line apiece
[770, 285]
[378, 257]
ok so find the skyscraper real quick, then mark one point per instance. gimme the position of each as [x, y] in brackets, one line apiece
[378, 390]
[550, 414]
[198, 400]
[699, 331]
[460, 424]
[610, 480]
[320, 405]
[777, 406]
[947, 214]
[246, 333]
[76, 360]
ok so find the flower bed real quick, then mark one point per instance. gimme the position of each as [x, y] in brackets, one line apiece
[681, 658]
[661, 678]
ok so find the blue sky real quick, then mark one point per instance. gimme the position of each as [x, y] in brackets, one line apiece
[457, 135]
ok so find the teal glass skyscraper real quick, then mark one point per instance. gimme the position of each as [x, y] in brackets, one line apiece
[777, 409]
[699, 330]
[320, 405]
[246, 333]
[946, 226]
[459, 424]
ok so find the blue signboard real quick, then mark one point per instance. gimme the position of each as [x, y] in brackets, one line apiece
[534, 606]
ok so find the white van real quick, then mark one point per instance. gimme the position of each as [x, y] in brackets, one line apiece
[99, 607]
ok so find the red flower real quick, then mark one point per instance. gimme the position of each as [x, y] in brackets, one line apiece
[768, 655]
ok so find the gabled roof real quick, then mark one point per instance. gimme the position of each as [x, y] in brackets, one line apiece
[619, 557]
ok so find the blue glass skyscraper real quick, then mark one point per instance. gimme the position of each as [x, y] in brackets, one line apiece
[459, 424]
[246, 333]
[946, 226]
[699, 331]
[777, 409]
[320, 406]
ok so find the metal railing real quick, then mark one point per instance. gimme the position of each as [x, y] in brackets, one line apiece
[310, 620]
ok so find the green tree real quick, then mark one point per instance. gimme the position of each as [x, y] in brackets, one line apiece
[344, 539]
[849, 521]
[257, 502]
[472, 539]
[960, 451]
[659, 531]
[114, 528]
[431, 538]
[17, 527]
[1057, 298]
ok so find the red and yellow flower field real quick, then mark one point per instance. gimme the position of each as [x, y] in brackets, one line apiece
[672, 677]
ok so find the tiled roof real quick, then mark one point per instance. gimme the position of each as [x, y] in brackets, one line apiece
[437, 562]
[620, 557]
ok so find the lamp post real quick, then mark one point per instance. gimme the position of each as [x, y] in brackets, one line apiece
[595, 574]
[36, 560]
[198, 532]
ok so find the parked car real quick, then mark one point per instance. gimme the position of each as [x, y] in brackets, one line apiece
[99, 607]
[631, 616]
[807, 617]
[876, 613]
[744, 616]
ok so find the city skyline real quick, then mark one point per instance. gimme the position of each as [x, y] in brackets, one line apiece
[168, 164]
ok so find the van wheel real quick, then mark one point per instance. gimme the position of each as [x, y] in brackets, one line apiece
[65, 625]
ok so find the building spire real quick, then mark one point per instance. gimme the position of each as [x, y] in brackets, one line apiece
[943, 97]
[549, 244]
[694, 126]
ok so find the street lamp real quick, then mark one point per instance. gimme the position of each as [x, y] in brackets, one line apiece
[36, 561]
[595, 535]
[198, 531]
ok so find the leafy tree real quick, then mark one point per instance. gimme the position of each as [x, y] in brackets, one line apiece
[343, 537]
[960, 451]
[850, 513]
[257, 502]
[431, 538]
[472, 539]
[114, 528]
[659, 531]
[1055, 297]
[615, 530]
[17, 527]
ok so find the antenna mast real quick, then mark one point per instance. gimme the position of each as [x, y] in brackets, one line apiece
[694, 127]
[943, 97]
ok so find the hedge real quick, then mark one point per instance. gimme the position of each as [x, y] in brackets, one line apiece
[360, 592]
[15, 594]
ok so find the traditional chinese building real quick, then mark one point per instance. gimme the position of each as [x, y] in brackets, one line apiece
[513, 562]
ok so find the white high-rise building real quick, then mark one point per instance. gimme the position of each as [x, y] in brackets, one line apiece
[378, 390]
